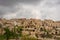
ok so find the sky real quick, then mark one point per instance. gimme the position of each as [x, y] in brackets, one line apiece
[39, 9]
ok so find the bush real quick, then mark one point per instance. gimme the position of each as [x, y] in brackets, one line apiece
[28, 38]
[46, 35]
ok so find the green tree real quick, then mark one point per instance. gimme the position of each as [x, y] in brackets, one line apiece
[18, 31]
[1, 36]
[8, 34]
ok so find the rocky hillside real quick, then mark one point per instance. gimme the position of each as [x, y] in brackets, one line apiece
[39, 29]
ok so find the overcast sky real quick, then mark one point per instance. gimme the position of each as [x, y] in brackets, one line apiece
[42, 9]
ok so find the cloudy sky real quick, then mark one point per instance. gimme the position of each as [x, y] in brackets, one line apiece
[40, 9]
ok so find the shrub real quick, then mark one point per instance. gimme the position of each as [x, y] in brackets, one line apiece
[28, 38]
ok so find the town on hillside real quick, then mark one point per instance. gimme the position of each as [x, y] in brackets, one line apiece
[29, 29]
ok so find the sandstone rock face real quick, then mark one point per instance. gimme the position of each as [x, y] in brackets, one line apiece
[34, 27]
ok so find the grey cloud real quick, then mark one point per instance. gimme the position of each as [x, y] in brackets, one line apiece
[52, 9]
[14, 2]
[44, 9]
[9, 5]
[4, 10]
[52, 3]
